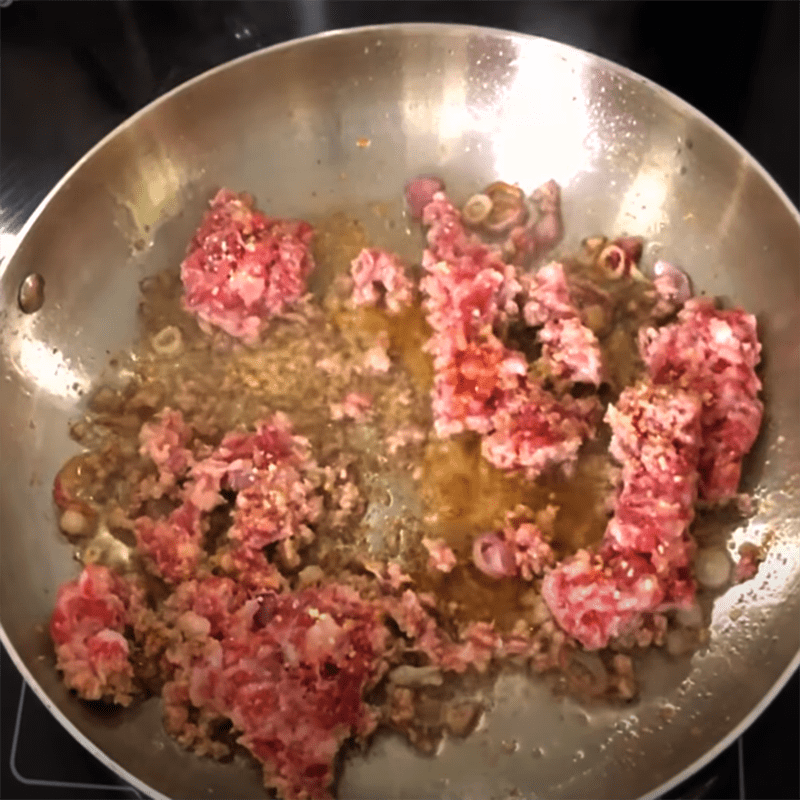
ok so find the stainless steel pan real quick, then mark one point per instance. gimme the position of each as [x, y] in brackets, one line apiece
[470, 104]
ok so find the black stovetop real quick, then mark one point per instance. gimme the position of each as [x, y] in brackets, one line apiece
[70, 72]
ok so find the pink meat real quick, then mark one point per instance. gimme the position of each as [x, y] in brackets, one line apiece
[570, 349]
[243, 267]
[657, 439]
[533, 431]
[290, 673]
[459, 305]
[164, 441]
[474, 650]
[279, 504]
[377, 360]
[252, 569]
[532, 553]
[243, 459]
[87, 628]
[420, 191]
[276, 499]
[467, 284]
[172, 546]
[355, 405]
[595, 601]
[479, 384]
[379, 279]
[441, 557]
[713, 353]
[548, 296]
[644, 562]
[657, 434]
[473, 383]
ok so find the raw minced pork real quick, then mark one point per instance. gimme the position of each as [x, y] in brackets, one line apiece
[243, 266]
[379, 277]
[480, 384]
[714, 353]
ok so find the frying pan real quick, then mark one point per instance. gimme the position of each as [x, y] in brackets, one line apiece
[469, 104]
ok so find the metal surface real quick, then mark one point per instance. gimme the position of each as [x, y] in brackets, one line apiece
[469, 104]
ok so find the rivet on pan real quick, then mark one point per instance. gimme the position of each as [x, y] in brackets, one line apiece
[31, 293]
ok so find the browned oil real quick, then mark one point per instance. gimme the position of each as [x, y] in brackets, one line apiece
[469, 497]
[407, 333]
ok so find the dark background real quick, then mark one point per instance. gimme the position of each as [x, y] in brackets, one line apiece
[71, 71]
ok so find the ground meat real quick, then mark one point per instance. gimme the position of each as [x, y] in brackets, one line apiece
[278, 504]
[272, 476]
[273, 661]
[87, 627]
[266, 469]
[476, 646]
[657, 438]
[442, 558]
[164, 441]
[547, 296]
[570, 349]
[473, 384]
[532, 553]
[713, 353]
[643, 564]
[379, 278]
[172, 546]
[355, 405]
[534, 431]
[481, 385]
[242, 267]
[460, 301]
[376, 359]
[595, 601]
[466, 285]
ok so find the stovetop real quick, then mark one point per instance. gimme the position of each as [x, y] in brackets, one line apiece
[70, 72]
